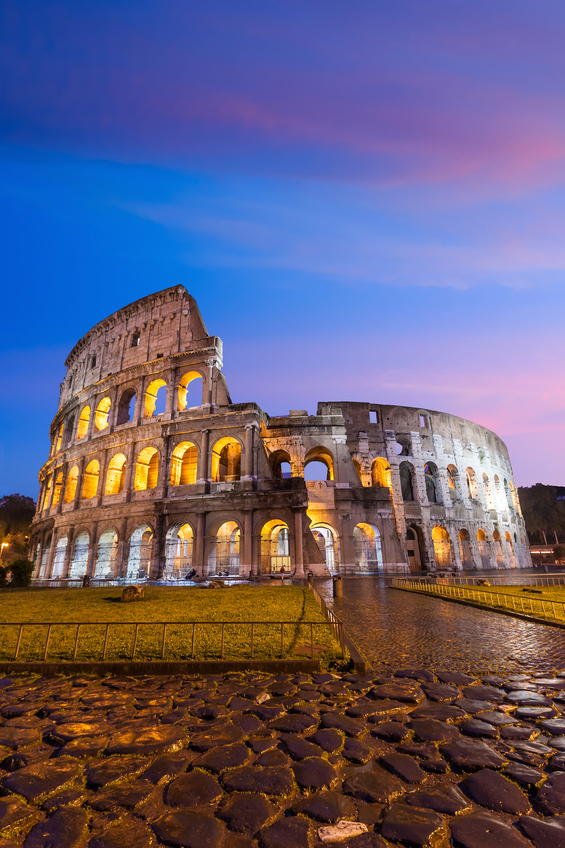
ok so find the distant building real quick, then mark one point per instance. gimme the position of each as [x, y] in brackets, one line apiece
[153, 471]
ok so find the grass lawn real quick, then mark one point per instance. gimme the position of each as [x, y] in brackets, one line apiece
[88, 607]
[550, 604]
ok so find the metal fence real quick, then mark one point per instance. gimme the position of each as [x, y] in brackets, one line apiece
[538, 607]
[116, 640]
[334, 623]
[512, 579]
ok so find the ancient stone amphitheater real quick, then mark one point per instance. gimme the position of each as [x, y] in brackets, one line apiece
[154, 472]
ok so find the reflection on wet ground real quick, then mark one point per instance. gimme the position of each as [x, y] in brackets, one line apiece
[399, 630]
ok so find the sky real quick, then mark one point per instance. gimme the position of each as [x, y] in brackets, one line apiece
[366, 199]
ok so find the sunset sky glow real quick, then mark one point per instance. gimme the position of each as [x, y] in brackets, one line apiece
[366, 199]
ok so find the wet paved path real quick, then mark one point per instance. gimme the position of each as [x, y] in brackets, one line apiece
[395, 629]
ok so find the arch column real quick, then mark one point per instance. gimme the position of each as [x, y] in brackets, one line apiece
[249, 469]
[210, 363]
[130, 456]
[170, 405]
[92, 548]
[199, 546]
[139, 402]
[65, 470]
[80, 481]
[249, 566]
[121, 548]
[298, 545]
[51, 557]
[203, 459]
[101, 479]
[68, 552]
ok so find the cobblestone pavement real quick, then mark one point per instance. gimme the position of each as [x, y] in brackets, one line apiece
[395, 628]
[281, 761]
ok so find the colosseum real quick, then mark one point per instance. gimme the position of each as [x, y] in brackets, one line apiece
[155, 474]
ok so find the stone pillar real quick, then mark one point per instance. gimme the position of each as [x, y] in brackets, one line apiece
[113, 410]
[51, 557]
[209, 382]
[139, 402]
[157, 565]
[76, 499]
[170, 405]
[68, 552]
[120, 565]
[93, 402]
[249, 566]
[249, 467]
[203, 459]
[130, 467]
[199, 544]
[92, 547]
[298, 545]
[101, 478]
[65, 470]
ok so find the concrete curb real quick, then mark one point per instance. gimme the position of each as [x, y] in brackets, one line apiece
[485, 607]
[157, 668]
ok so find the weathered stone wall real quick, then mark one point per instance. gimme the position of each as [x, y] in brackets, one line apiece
[142, 485]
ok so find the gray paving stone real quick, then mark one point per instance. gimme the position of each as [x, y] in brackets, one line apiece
[13, 811]
[41, 778]
[549, 833]
[392, 731]
[314, 773]
[329, 739]
[107, 771]
[495, 792]
[447, 799]
[288, 832]
[298, 747]
[406, 824]
[328, 806]
[197, 788]
[154, 740]
[190, 829]
[223, 757]
[441, 691]
[438, 712]
[129, 795]
[127, 834]
[167, 766]
[430, 730]
[338, 721]
[376, 786]
[271, 781]
[472, 755]
[480, 729]
[483, 830]
[525, 775]
[484, 693]
[246, 812]
[295, 723]
[550, 798]
[404, 766]
[64, 829]
[398, 692]
[356, 751]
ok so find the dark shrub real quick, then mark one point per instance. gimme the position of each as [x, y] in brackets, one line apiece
[22, 570]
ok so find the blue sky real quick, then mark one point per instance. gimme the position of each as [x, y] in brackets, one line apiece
[367, 201]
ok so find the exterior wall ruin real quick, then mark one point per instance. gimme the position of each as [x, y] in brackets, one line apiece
[154, 472]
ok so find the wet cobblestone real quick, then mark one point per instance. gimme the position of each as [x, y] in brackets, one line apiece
[394, 629]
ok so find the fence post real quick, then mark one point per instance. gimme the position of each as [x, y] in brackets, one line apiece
[135, 641]
[282, 640]
[76, 642]
[164, 638]
[47, 641]
[252, 629]
[311, 641]
[18, 642]
[223, 626]
[105, 642]
[193, 632]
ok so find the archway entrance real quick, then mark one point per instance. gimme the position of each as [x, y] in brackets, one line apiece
[510, 548]
[178, 554]
[367, 548]
[275, 547]
[107, 555]
[442, 548]
[59, 560]
[139, 559]
[465, 549]
[413, 549]
[80, 556]
[484, 552]
[328, 542]
[224, 555]
[498, 552]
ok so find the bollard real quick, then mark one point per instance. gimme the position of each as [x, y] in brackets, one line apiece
[311, 577]
[86, 581]
[338, 586]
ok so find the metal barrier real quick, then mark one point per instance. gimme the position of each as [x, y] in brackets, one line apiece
[334, 623]
[191, 632]
[511, 579]
[485, 597]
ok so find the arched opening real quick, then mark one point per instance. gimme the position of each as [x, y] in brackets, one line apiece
[226, 460]
[68, 434]
[489, 499]
[414, 548]
[60, 437]
[90, 480]
[155, 398]
[280, 463]
[178, 551]
[184, 464]
[106, 555]
[126, 407]
[380, 473]
[510, 548]
[102, 414]
[407, 481]
[80, 556]
[224, 553]
[498, 493]
[190, 391]
[431, 481]
[71, 487]
[452, 475]
[275, 547]
[146, 469]
[515, 499]
[367, 548]
[328, 542]
[498, 552]
[115, 475]
[358, 470]
[465, 549]
[403, 446]
[319, 465]
[45, 555]
[508, 495]
[442, 548]
[83, 422]
[57, 488]
[484, 551]
[59, 558]
[471, 483]
[47, 493]
[139, 558]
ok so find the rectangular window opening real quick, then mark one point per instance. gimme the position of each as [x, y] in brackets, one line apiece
[423, 421]
[135, 339]
[373, 417]
[93, 362]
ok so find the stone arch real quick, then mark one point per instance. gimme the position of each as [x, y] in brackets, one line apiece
[497, 548]
[357, 465]
[79, 559]
[465, 549]
[83, 422]
[433, 491]
[140, 549]
[226, 460]
[90, 480]
[380, 473]
[58, 475]
[367, 548]
[102, 414]
[153, 391]
[146, 469]
[184, 464]
[322, 455]
[489, 498]
[224, 549]
[510, 549]
[407, 481]
[452, 477]
[484, 550]
[71, 487]
[471, 483]
[126, 406]
[281, 464]
[179, 548]
[185, 393]
[327, 540]
[443, 552]
[106, 555]
[415, 547]
[275, 547]
[59, 558]
[115, 476]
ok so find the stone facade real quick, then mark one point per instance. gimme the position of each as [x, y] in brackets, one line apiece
[154, 472]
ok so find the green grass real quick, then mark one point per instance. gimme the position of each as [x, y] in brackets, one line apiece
[548, 605]
[239, 603]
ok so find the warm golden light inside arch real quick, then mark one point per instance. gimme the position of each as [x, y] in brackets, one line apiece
[83, 421]
[60, 437]
[151, 397]
[71, 487]
[115, 475]
[184, 383]
[380, 473]
[90, 481]
[57, 489]
[102, 413]
[146, 469]
[226, 460]
[184, 464]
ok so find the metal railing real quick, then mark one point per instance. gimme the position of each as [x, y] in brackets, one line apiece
[538, 607]
[511, 579]
[334, 623]
[182, 640]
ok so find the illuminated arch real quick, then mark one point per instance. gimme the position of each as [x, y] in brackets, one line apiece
[90, 480]
[489, 499]
[281, 465]
[147, 469]
[80, 556]
[57, 488]
[59, 559]
[184, 464]
[178, 551]
[433, 492]
[126, 406]
[442, 547]
[71, 487]
[183, 391]
[275, 547]
[151, 397]
[226, 460]
[322, 456]
[115, 475]
[471, 483]
[139, 557]
[83, 422]
[367, 548]
[102, 414]
[106, 555]
[327, 541]
[224, 552]
[380, 473]
[407, 481]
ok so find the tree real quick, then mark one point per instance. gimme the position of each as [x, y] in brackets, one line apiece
[543, 508]
[559, 552]
[16, 515]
